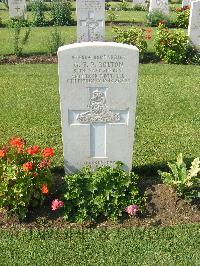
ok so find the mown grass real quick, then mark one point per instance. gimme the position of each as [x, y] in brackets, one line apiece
[172, 246]
[168, 114]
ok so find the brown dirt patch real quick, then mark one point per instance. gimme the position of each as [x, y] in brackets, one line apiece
[36, 59]
[163, 208]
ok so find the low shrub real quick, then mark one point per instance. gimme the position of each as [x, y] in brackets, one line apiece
[54, 41]
[107, 191]
[171, 45]
[19, 40]
[123, 5]
[134, 36]
[139, 7]
[61, 13]
[25, 176]
[154, 18]
[112, 16]
[185, 182]
[182, 18]
[38, 8]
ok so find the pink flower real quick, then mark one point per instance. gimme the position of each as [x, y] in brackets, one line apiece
[56, 204]
[132, 209]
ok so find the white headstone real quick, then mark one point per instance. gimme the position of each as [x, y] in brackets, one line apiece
[90, 20]
[139, 2]
[98, 84]
[194, 24]
[185, 3]
[17, 8]
[161, 5]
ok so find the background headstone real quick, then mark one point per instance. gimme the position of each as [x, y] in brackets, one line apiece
[17, 8]
[90, 20]
[194, 24]
[185, 3]
[98, 84]
[161, 5]
[139, 2]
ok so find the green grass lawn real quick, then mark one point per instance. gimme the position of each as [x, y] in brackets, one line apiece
[171, 246]
[168, 114]
[39, 37]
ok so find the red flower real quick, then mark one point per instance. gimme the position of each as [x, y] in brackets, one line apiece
[44, 163]
[47, 152]
[17, 143]
[2, 153]
[161, 22]
[148, 37]
[27, 166]
[44, 189]
[32, 150]
[149, 30]
[56, 204]
[178, 9]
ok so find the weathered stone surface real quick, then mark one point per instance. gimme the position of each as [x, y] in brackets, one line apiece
[98, 84]
[90, 20]
[17, 8]
[194, 24]
[161, 5]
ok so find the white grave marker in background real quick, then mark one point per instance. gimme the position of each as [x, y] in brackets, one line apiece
[17, 8]
[98, 84]
[185, 3]
[161, 5]
[90, 20]
[194, 24]
[139, 2]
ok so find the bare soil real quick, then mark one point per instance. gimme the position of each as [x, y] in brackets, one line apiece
[163, 208]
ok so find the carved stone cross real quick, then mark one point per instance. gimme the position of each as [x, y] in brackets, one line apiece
[17, 8]
[91, 23]
[98, 117]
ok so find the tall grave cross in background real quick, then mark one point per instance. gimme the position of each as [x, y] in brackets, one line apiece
[90, 20]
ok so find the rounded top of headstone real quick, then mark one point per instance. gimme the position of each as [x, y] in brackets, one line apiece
[97, 44]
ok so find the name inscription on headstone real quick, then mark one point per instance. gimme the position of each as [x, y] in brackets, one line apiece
[98, 69]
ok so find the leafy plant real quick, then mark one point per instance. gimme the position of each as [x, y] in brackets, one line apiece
[185, 182]
[38, 8]
[155, 17]
[20, 41]
[107, 5]
[134, 36]
[171, 46]
[55, 40]
[61, 13]
[182, 18]
[107, 192]
[25, 176]
[123, 5]
[111, 16]
[139, 7]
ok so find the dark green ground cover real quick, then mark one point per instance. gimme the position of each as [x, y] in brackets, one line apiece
[177, 245]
